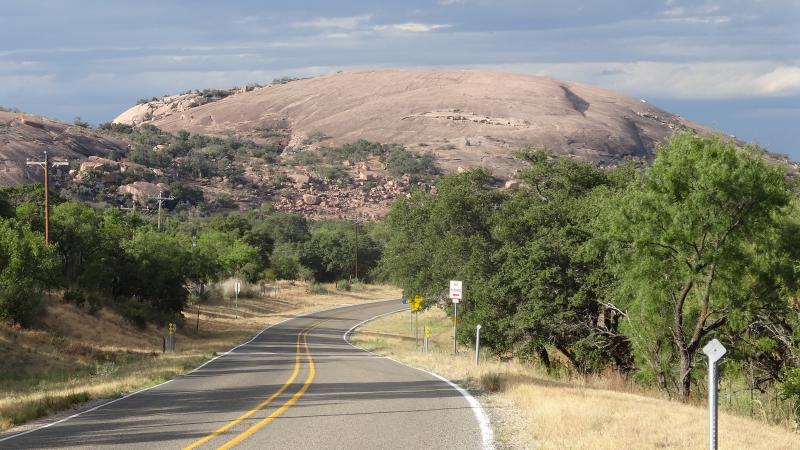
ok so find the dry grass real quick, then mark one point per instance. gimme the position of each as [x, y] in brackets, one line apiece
[530, 409]
[74, 357]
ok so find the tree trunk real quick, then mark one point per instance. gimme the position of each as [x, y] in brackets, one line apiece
[544, 357]
[685, 375]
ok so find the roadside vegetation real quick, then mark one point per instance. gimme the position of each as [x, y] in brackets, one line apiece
[531, 407]
[627, 271]
[104, 257]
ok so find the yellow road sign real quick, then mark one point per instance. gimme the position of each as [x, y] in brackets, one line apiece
[416, 304]
[427, 331]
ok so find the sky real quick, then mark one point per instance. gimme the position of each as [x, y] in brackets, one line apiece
[730, 64]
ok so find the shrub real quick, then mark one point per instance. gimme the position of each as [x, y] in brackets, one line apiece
[284, 80]
[492, 382]
[133, 311]
[305, 158]
[400, 162]
[305, 274]
[332, 173]
[316, 289]
[343, 285]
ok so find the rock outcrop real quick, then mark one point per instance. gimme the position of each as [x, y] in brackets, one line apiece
[464, 118]
[27, 136]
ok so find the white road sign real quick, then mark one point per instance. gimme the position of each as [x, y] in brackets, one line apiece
[238, 287]
[714, 350]
[455, 291]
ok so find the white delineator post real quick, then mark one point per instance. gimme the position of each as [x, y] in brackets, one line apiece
[427, 335]
[237, 289]
[455, 296]
[477, 344]
[714, 350]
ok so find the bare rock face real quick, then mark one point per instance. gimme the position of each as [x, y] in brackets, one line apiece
[27, 136]
[155, 109]
[464, 118]
[142, 191]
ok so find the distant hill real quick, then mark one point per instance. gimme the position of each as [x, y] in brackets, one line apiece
[344, 145]
[27, 136]
[465, 118]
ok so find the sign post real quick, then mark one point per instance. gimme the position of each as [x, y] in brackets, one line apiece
[238, 288]
[455, 296]
[169, 342]
[427, 335]
[477, 344]
[715, 351]
[416, 305]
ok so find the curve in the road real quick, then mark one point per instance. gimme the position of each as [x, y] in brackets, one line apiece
[487, 435]
[300, 378]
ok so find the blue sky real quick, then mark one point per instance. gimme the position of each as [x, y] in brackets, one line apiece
[730, 64]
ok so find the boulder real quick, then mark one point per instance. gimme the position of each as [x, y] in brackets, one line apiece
[512, 184]
[141, 191]
[365, 176]
[310, 199]
[300, 179]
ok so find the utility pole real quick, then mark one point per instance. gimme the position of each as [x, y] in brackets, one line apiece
[161, 199]
[46, 165]
[132, 209]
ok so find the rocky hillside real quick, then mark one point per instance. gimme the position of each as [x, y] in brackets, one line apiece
[464, 118]
[27, 136]
[338, 146]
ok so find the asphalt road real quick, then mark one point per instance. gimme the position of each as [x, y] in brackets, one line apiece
[297, 385]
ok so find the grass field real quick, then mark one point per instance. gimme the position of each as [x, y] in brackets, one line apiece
[530, 409]
[74, 357]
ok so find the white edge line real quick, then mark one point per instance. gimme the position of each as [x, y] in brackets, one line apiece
[487, 435]
[168, 381]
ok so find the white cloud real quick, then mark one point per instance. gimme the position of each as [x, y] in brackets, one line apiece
[782, 80]
[344, 23]
[687, 80]
[412, 27]
[696, 14]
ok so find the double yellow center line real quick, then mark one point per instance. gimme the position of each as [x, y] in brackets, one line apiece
[301, 337]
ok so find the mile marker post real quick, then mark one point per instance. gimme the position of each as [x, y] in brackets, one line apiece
[715, 351]
[455, 296]
[477, 344]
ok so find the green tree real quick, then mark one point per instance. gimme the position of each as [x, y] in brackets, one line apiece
[286, 261]
[74, 230]
[26, 268]
[434, 239]
[690, 235]
[546, 291]
[287, 227]
[156, 268]
[331, 251]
